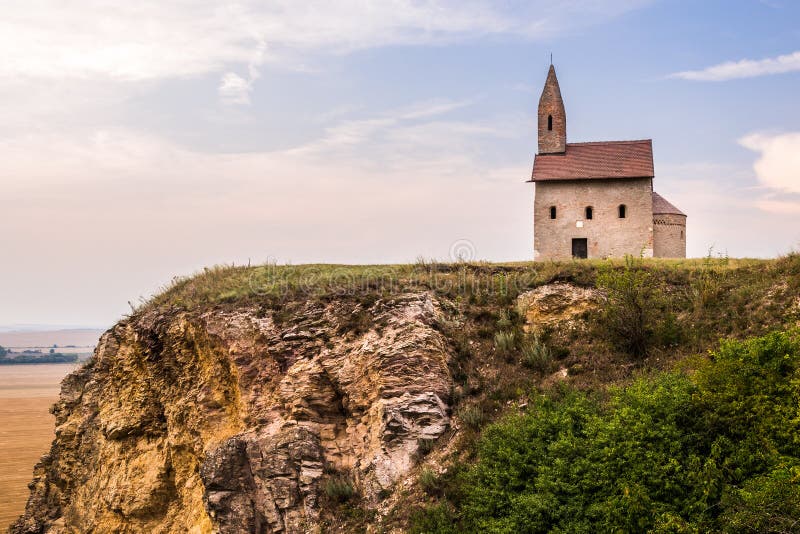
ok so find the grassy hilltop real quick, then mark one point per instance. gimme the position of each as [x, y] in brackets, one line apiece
[629, 416]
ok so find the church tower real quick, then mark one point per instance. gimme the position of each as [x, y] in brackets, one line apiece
[552, 117]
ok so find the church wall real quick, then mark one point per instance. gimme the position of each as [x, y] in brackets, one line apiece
[607, 235]
[669, 235]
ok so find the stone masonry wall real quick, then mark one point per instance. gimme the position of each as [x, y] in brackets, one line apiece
[669, 235]
[607, 234]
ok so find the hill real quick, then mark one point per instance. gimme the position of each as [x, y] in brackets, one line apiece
[576, 396]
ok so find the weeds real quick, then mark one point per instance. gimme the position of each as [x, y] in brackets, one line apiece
[339, 488]
[429, 481]
[424, 446]
[505, 342]
[472, 415]
[536, 355]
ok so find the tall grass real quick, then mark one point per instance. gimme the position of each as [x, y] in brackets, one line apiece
[536, 355]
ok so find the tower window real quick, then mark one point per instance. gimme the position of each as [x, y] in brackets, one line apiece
[589, 212]
[622, 211]
[550, 122]
[552, 212]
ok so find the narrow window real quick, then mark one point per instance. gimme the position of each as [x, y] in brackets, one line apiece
[549, 122]
[552, 212]
[681, 234]
[622, 211]
[589, 212]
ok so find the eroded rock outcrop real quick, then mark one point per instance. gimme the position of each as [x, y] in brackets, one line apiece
[231, 420]
[557, 305]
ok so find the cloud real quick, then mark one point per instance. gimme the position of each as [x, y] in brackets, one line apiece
[727, 212]
[416, 148]
[152, 39]
[133, 209]
[779, 206]
[778, 166]
[414, 137]
[234, 89]
[745, 68]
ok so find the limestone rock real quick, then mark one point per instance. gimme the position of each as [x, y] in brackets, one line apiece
[230, 420]
[556, 304]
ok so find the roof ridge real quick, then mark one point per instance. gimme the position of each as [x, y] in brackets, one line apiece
[625, 141]
[597, 159]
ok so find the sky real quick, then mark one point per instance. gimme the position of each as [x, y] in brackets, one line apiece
[140, 141]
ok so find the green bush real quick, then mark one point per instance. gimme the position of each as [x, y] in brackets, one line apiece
[715, 451]
[436, 519]
[627, 318]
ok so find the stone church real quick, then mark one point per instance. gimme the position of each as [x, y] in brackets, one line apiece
[596, 200]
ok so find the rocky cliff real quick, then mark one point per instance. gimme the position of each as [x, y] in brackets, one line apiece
[332, 399]
[231, 421]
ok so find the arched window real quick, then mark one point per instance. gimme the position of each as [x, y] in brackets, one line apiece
[552, 212]
[622, 211]
[681, 234]
[589, 212]
[549, 122]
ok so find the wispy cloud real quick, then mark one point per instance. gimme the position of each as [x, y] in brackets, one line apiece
[367, 190]
[235, 89]
[784, 207]
[745, 68]
[151, 39]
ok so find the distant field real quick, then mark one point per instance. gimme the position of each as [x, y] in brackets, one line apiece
[26, 428]
[79, 337]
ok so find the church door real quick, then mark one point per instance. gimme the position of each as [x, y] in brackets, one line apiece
[580, 248]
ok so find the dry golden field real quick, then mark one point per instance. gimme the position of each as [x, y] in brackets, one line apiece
[26, 428]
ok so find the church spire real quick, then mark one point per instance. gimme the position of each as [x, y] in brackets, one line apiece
[552, 117]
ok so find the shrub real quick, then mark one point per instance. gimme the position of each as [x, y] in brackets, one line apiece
[435, 519]
[472, 415]
[339, 488]
[705, 290]
[769, 503]
[429, 481]
[627, 318]
[536, 355]
[715, 451]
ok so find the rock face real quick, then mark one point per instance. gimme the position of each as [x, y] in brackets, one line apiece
[557, 304]
[233, 420]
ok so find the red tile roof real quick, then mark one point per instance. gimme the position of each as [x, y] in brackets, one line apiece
[605, 159]
[661, 206]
